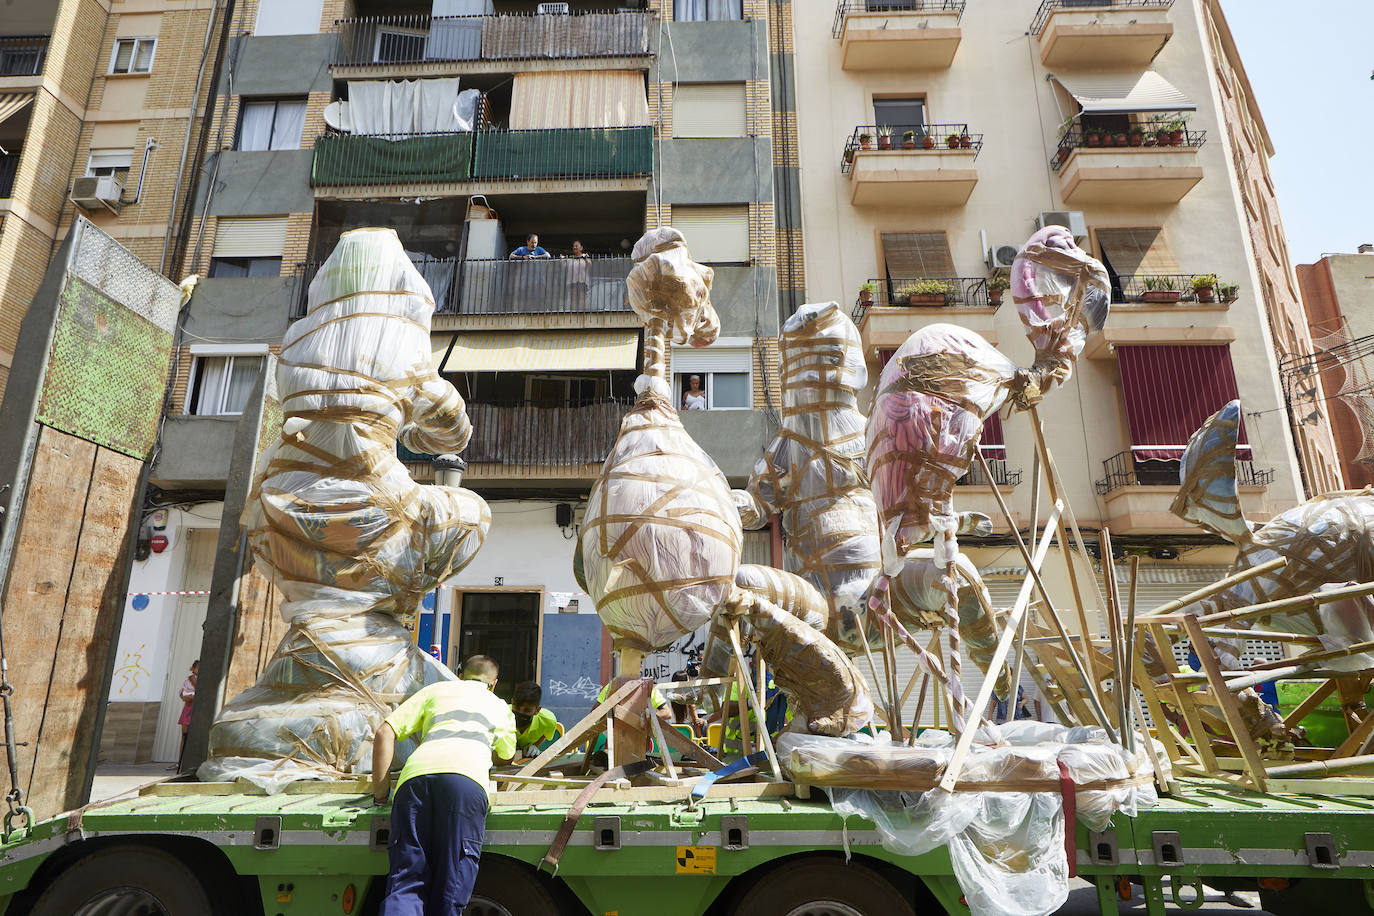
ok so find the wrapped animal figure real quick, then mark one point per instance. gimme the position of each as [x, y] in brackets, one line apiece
[337, 523]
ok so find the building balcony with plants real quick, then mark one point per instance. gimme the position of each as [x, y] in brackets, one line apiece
[1172, 289]
[1088, 34]
[889, 308]
[921, 166]
[1140, 158]
[898, 34]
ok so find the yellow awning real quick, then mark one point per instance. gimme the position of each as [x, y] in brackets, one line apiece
[11, 103]
[529, 351]
[439, 344]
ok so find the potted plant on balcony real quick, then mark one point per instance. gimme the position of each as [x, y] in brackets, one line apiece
[884, 137]
[1228, 292]
[927, 141]
[965, 141]
[1176, 131]
[866, 292]
[952, 141]
[865, 141]
[1204, 287]
[1092, 136]
[1137, 136]
[1162, 133]
[997, 284]
[1160, 289]
[908, 139]
[929, 292]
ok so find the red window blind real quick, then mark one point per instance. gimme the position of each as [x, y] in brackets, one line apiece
[992, 445]
[1169, 392]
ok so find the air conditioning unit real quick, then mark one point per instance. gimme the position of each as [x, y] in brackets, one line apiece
[94, 193]
[1001, 256]
[1069, 219]
[557, 9]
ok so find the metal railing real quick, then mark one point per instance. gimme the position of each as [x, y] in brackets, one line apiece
[1123, 470]
[930, 292]
[1160, 288]
[9, 165]
[529, 436]
[896, 7]
[932, 137]
[500, 155]
[22, 55]
[1047, 7]
[1145, 134]
[418, 39]
[506, 287]
[440, 273]
[1002, 475]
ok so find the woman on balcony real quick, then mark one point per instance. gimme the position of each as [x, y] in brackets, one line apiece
[579, 276]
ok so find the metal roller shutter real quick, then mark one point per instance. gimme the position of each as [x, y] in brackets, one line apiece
[709, 110]
[711, 359]
[250, 237]
[714, 233]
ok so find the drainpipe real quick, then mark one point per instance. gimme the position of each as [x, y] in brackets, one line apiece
[148, 146]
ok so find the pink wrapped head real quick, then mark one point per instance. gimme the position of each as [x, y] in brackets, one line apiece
[1059, 289]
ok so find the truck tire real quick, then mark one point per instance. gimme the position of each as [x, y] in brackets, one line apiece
[508, 888]
[823, 887]
[130, 881]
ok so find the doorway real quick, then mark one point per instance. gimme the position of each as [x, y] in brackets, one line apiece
[187, 629]
[504, 625]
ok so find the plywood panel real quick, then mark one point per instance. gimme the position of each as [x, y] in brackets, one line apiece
[260, 630]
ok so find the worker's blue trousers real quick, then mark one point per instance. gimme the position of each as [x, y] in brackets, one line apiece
[437, 825]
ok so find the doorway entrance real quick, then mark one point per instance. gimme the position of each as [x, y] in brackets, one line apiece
[504, 625]
[187, 629]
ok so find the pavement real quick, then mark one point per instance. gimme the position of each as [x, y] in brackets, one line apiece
[1083, 902]
[111, 780]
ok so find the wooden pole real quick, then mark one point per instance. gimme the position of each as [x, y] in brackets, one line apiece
[1128, 653]
[1220, 585]
[764, 738]
[1113, 620]
[1296, 603]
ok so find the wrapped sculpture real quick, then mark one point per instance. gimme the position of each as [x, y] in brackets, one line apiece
[339, 526]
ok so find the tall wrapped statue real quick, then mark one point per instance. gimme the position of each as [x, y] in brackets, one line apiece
[339, 526]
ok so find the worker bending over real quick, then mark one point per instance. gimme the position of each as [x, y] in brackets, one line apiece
[439, 815]
[535, 726]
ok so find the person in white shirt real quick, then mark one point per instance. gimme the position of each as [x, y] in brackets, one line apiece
[694, 398]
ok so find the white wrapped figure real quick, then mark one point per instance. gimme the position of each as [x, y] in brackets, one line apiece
[337, 523]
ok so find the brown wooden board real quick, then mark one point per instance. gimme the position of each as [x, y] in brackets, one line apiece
[260, 629]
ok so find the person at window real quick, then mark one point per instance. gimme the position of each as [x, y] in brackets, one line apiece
[535, 726]
[530, 250]
[694, 398]
[579, 275]
[438, 818]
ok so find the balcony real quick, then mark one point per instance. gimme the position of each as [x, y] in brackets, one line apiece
[931, 170]
[1168, 290]
[1002, 475]
[21, 56]
[345, 160]
[418, 44]
[522, 439]
[898, 34]
[1105, 33]
[1153, 162]
[1138, 493]
[9, 165]
[900, 306]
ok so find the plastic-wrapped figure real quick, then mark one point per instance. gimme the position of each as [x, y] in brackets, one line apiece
[337, 523]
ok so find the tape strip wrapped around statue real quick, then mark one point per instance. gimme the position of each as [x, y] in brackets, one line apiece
[337, 523]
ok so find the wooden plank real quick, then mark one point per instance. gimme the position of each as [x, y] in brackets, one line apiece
[260, 629]
[590, 724]
[1254, 766]
[756, 703]
[1305, 708]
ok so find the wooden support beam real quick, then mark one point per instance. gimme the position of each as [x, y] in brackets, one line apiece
[593, 723]
[1218, 586]
[1240, 732]
[764, 738]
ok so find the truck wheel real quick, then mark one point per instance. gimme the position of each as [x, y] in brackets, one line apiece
[140, 881]
[507, 888]
[823, 887]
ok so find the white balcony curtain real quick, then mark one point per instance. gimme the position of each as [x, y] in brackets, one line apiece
[288, 125]
[406, 107]
[578, 98]
[707, 10]
[255, 125]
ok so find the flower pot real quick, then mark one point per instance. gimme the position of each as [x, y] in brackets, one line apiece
[965, 142]
[1122, 140]
[1150, 140]
[928, 142]
[865, 144]
[926, 298]
[952, 142]
[884, 143]
[1206, 294]
[1160, 295]
[1175, 138]
[908, 144]
[1064, 152]
[995, 297]
[866, 296]
[1163, 137]
[1094, 139]
[1137, 139]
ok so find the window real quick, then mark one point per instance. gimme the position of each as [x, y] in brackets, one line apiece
[271, 124]
[901, 115]
[220, 385]
[235, 268]
[288, 17]
[714, 234]
[709, 110]
[248, 247]
[707, 10]
[104, 163]
[1132, 254]
[133, 55]
[911, 256]
[724, 375]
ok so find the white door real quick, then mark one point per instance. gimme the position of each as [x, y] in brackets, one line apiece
[187, 627]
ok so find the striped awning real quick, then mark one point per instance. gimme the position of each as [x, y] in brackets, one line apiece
[439, 344]
[529, 351]
[11, 103]
[1170, 391]
[1118, 93]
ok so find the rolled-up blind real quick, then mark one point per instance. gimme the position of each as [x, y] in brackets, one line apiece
[917, 255]
[709, 110]
[250, 237]
[714, 233]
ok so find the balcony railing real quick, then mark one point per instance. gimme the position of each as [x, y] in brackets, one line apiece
[418, 39]
[933, 137]
[504, 287]
[1002, 475]
[498, 155]
[848, 7]
[1042, 15]
[1162, 288]
[9, 165]
[439, 273]
[522, 435]
[929, 292]
[1123, 470]
[1161, 134]
[22, 55]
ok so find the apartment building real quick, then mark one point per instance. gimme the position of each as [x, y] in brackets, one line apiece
[99, 105]
[468, 125]
[937, 135]
[1338, 297]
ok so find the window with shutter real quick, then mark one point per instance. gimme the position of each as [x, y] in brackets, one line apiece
[724, 377]
[714, 234]
[917, 255]
[709, 110]
[1136, 251]
[250, 237]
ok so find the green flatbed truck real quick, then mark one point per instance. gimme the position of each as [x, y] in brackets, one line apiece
[184, 848]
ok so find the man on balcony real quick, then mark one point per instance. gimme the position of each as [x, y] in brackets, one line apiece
[529, 250]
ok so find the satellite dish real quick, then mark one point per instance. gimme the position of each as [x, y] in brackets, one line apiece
[336, 116]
